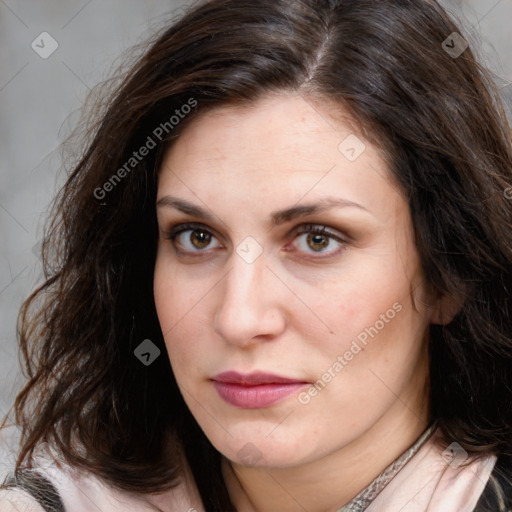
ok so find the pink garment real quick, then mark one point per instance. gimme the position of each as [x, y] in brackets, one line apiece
[86, 493]
[427, 483]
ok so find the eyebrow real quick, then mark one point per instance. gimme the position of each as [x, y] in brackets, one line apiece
[276, 218]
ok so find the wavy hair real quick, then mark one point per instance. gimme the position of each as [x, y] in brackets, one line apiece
[438, 119]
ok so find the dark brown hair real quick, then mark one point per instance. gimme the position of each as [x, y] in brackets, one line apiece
[437, 117]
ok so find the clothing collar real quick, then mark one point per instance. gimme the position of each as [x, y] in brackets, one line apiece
[369, 493]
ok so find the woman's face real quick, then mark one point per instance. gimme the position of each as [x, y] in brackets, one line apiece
[325, 330]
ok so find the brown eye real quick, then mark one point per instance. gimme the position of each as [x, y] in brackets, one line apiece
[316, 239]
[200, 238]
[192, 238]
[317, 242]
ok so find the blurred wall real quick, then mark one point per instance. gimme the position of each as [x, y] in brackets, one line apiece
[51, 54]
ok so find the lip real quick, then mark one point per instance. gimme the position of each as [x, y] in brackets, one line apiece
[254, 390]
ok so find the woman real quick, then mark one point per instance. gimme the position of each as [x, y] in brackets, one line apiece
[283, 275]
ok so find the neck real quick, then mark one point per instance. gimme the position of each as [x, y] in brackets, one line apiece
[330, 482]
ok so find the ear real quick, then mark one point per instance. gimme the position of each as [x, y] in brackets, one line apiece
[444, 310]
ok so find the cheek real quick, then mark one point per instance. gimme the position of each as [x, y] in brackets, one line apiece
[176, 295]
[180, 309]
[170, 307]
[372, 314]
[383, 341]
[366, 289]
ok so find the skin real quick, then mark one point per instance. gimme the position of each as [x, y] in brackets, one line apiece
[298, 306]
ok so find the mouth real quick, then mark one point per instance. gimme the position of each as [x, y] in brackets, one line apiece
[255, 390]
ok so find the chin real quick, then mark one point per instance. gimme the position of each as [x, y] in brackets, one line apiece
[251, 448]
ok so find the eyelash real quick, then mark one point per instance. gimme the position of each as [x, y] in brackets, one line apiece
[319, 229]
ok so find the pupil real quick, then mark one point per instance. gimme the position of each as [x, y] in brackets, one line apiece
[318, 240]
[200, 239]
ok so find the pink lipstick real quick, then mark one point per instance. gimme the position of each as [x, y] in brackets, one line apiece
[254, 390]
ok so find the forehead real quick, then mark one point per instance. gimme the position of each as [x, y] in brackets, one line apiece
[280, 146]
[269, 126]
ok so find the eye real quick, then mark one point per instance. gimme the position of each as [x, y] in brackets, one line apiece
[315, 239]
[192, 238]
[309, 238]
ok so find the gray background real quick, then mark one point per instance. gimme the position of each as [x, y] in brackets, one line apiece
[39, 102]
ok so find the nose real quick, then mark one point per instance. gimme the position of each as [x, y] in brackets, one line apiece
[250, 307]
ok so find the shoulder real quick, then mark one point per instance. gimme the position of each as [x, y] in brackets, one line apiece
[437, 477]
[29, 490]
[59, 487]
[17, 500]
[497, 495]
[81, 492]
